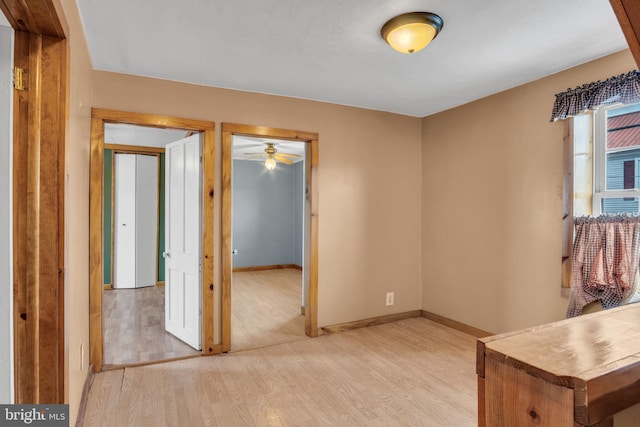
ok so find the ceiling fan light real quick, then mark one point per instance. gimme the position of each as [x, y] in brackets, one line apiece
[270, 164]
[411, 32]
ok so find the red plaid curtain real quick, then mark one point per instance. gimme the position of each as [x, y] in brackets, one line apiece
[606, 255]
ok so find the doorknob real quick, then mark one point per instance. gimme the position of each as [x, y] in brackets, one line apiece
[124, 225]
[166, 254]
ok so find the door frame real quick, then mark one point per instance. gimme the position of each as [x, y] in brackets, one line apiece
[310, 229]
[40, 117]
[98, 119]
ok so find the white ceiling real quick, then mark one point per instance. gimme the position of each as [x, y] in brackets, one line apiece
[331, 50]
[140, 135]
[246, 144]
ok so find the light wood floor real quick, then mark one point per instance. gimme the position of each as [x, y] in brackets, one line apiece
[134, 327]
[265, 308]
[409, 373]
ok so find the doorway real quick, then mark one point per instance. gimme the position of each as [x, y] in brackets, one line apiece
[180, 162]
[143, 310]
[310, 229]
[267, 233]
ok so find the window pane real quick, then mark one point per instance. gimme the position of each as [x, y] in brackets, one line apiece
[623, 148]
[622, 169]
[620, 205]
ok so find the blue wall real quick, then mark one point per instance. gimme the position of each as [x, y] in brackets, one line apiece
[267, 214]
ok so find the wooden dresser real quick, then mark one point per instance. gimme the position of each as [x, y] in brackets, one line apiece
[575, 372]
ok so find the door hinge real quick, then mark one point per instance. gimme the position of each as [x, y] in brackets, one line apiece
[19, 78]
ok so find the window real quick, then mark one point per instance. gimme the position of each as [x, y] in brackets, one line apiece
[616, 181]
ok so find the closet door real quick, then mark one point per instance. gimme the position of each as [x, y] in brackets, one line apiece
[125, 222]
[146, 213]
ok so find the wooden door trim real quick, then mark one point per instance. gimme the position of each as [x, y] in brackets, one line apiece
[37, 17]
[99, 118]
[40, 117]
[39, 131]
[311, 220]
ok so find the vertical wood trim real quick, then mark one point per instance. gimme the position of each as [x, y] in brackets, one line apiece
[311, 220]
[39, 150]
[96, 287]
[24, 332]
[311, 240]
[227, 165]
[628, 14]
[63, 107]
[208, 197]
[33, 210]
[51, 223]
[96, 225]
[39, 123]
[567, 202]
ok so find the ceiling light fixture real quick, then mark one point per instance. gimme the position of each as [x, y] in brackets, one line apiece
[411, 32]
[270, 163]
[270, 151]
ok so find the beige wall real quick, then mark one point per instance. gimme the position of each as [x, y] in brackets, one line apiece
[76, 206]
[491, 205]
[369, 184]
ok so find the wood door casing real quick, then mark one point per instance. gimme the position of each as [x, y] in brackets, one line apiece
[311, 220]
[99, 118]
[38, 212]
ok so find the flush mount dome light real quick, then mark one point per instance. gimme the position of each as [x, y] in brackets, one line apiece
[411, 32]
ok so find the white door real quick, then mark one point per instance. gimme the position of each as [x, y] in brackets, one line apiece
[124, 267]
[136, 221]
[146, 230]
[183, 240]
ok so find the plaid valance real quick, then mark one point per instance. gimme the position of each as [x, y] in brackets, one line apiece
[624, 88]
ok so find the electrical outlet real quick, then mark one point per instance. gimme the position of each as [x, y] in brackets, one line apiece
[390, 296]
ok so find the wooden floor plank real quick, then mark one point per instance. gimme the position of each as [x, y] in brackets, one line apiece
[134, 327]
[266, 308]
[411, 372]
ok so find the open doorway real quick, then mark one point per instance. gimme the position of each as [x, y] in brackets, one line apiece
[261, 151]
[140, 303]
[268, 245]
[151, 241]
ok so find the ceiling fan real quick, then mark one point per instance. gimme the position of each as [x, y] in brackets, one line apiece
[272, 155]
